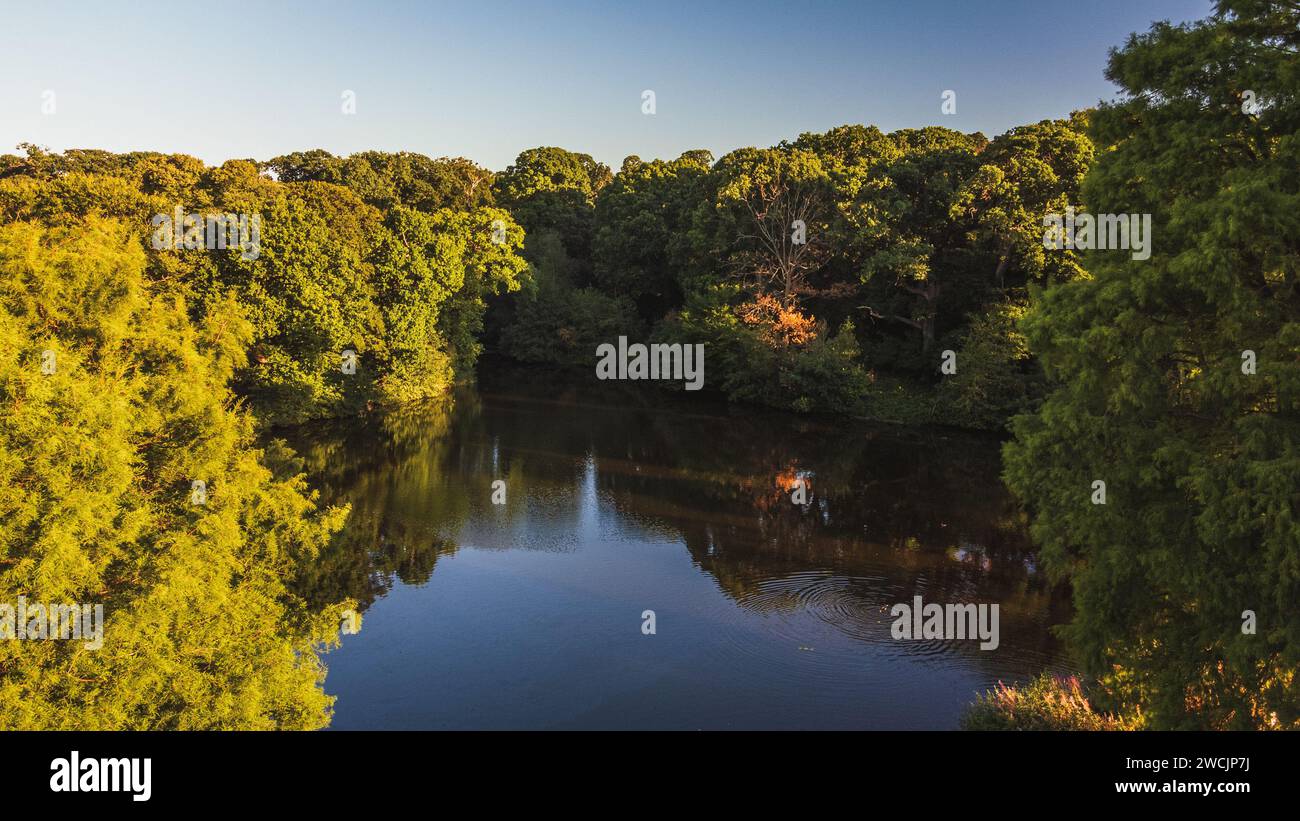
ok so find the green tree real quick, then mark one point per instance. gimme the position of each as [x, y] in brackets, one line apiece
[310, 294]
[996, 377]
[915, 255]
[1027, 173]
[558, 317]
[97, 457]
[641, 245]
[385, 179]
[551, 169]
[493, 266]
[765, 220]
[315, 289]
[553, 191]
[1153, 394]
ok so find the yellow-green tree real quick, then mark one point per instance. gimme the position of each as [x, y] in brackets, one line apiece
[113, 403]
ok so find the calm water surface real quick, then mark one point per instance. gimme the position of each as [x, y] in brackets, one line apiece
[768, 614]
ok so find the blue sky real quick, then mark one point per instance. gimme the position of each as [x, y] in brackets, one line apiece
[487, 79]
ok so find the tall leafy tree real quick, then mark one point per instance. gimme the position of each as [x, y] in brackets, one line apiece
[312, 292]
[765, 220]
[552, 193]
[386, 179]
[1155, 394]
[112, 405]
[559, 315]
[916, 258]
[643, 219]
[1025, 174]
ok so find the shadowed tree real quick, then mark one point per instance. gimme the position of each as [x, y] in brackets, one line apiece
[916, 253]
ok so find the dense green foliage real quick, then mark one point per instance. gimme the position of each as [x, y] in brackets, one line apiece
[96, 464]
[811, 269]
[392, 257]
[1200, 453]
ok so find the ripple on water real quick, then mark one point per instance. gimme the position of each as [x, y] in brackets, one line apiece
[835, 620]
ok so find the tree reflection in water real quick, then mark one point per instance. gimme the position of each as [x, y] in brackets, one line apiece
[889, 512]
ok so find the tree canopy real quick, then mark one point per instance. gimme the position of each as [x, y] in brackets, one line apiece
[98, 456]
[1156, 394]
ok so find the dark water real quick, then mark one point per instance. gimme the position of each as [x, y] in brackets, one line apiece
[768, 614]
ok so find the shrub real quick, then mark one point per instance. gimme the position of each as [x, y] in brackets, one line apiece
[762, 352]
[996, 377]
[1046, 703]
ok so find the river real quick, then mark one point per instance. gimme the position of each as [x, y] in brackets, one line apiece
[620, 499]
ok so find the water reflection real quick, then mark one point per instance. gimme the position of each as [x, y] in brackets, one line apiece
[770, 614]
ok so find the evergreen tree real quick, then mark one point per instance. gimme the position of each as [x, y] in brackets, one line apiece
[1155, 395]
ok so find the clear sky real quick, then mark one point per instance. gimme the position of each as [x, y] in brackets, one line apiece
[486, 79]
